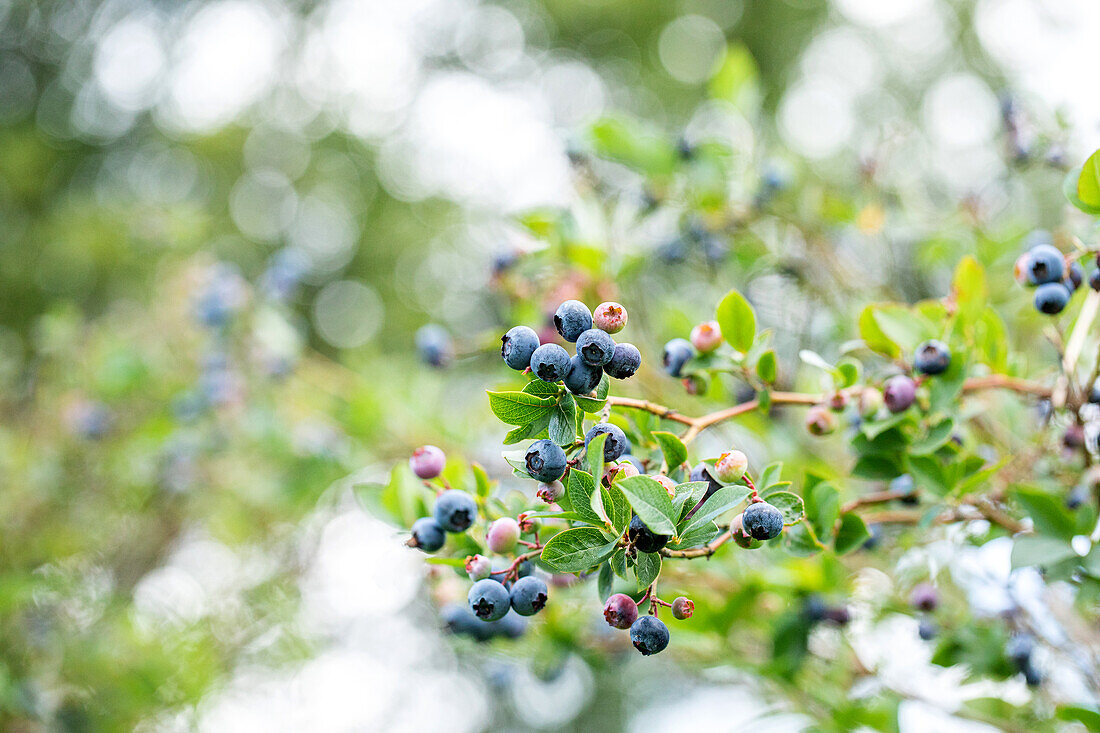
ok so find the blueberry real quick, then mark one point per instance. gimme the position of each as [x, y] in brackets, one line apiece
[673, 251]
[677, 353]
[1077, 496]
[933, 357]
[572, 319]
[550, 362]
[739, 535]
[1051, 298]
[820, 420]
[839, 615]
[582, 378]
[1074, 276]
[427, 535]
[701, 472]
[762, 521]
[614, 445]
[1032, 676]
[550, 492]
[610, 317]
[545, 461]
[518, 345]
[924, 597]
[730, 466]
[645, 539]
[902, 485]
[596, 347]
[1045, 264]
[502, 535]
[478, 567]
[682, 608]
[455, 510]
[427, 461]
[876, 536]
[620, 611]
[434, 345]
[814, 608]
[899, 393]
[284, 273]
[1021, 267]
[489, 600]
[706, 336]
[1019, 649]
[529, 596]
[668, 484]
[926, 629]
[624, 362]
[649, 635]
[1074, 437]
[503, 262]
[512, 626]
[1094, 279]
[460, 621]
[1094, 390]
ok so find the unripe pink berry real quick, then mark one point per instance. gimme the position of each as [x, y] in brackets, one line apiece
[550, 492]
[900, 393]
[706, 336]
[682, 608]
[870, 402]
[730, 466]
[503, 535]
[669, 484]
[427, 461]
[609, 317]
[737, 532]
[820, 421]
[1019, 270]
[478, 567]
[625, 469]
[924, 597]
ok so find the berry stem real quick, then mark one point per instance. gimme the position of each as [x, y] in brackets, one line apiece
[512, 570]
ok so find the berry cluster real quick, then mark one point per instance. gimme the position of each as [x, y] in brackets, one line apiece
[1054, 276]
[597, 353]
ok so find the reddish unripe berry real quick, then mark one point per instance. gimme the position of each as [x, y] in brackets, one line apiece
[730, 466]
[706, 336]
[503, 535]
[669, 484]
[609, 317]
[625, 469]
[550, 492]
[620, 611]
[737, 532]
[427, 461]
[900, 393]
[478, 567]
[682, 608]
[1019, 270]
[838, 402]
[820, 420]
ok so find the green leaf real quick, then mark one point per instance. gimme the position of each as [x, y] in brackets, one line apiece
[903, 326]
[455, 562]
[934, 439]
[851, 534]
[790, 505]
[720, 502]
[634, 145]
[875, 338]
[603, 387]
[849, 370]
[876, 467]
[588, 404]
[766, 367]
[700, 535]
[519, 408]
[823, 509]
[594, 456]
[970, 288]
[1029, 549]
[1069, 189]
[1088, 182]
[539, 388]
[688, 495]
[579, 491]
[815, 359]
[617, 506]
[576, 550]
[673, 448]
[1086, 716]
[603, 583]
[481, 479]
[1047, 512]
[529, 431]
[736, 74]
[647, 567]
[563, 421]
[618, 563]
[738, 322]
[651, 502]
[771, 473]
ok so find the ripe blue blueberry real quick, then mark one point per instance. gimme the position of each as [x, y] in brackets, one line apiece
[596, 347]
[1045, 264]
[614, 445]
[1094, 279]
[701, 472]
[762, 521]
[489, 600]
[926, 629]
[899, 393]
[517, 346]
[460, 621]
[1074, 276]
[624, 362]
[545, 461]
[649, 635]
[1051, 298]
[511, 626]
[582, 378]
[455, 510]
[620, 611]
[677, 353]
[434, 345]
[644, 539]
[932, 357]
[529, 596]
[550, 362]
[572, 319]
[427, 535]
